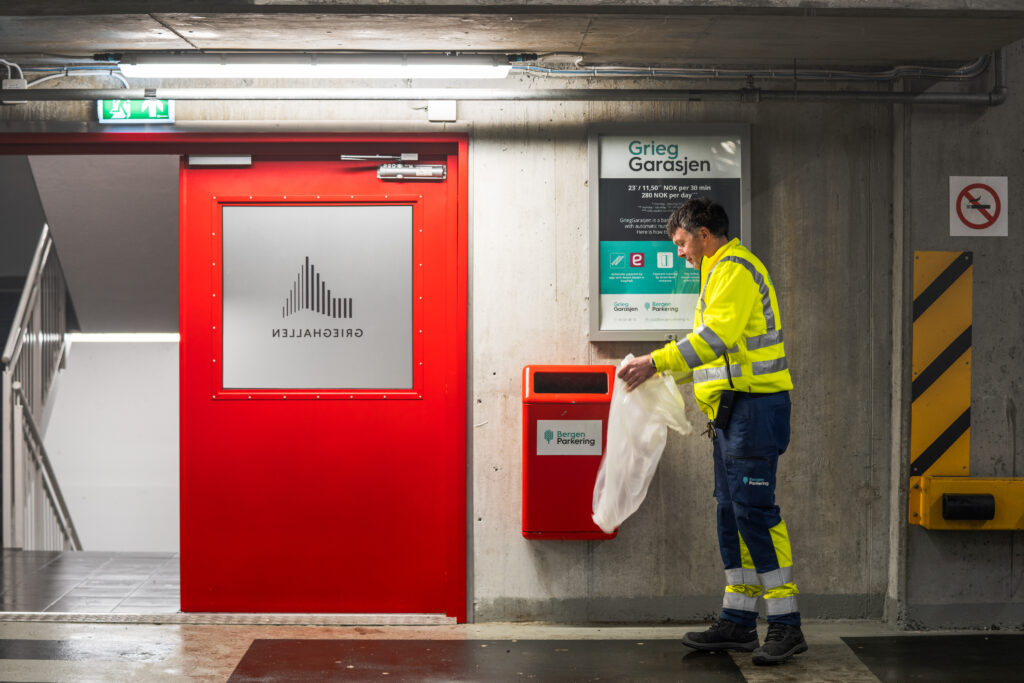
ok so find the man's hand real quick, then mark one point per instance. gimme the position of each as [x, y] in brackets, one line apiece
[636, 372]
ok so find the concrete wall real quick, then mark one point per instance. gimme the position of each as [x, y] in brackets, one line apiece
[962, 578]
[113, 443]
[821, 203]
[821, 221]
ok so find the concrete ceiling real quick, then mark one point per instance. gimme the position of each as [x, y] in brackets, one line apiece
[634, 32]
[114, 220]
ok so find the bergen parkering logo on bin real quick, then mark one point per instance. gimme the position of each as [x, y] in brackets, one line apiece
[568, 437]
[309, 292]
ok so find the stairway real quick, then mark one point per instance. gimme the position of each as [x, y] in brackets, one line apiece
[10, 293]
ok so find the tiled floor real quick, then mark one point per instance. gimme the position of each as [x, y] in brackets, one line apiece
[90, 582]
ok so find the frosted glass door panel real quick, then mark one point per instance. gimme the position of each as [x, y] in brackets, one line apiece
[317, 297]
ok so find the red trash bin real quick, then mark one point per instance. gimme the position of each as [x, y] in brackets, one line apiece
[565, 427]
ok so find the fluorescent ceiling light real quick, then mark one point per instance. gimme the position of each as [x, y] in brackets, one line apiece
[124, 337]
[313, 66]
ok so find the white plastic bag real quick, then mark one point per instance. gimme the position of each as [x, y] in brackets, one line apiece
[638, 423]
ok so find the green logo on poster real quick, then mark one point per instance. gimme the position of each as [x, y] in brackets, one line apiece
[647, 305]
[548, 435]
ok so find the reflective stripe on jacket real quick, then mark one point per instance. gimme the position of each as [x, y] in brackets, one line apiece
[737, 316]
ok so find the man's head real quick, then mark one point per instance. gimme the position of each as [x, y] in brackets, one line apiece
[698, 228]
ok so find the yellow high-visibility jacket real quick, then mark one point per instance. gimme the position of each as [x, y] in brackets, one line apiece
[737, 317]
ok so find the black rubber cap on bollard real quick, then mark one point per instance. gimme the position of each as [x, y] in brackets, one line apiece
[968, 506]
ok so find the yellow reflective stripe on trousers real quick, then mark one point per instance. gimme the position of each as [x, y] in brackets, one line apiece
[781, 600]
[780, 540]
[780, 590]
[742, 589]
[741, 597]
[776, 577]
[751, 591]
[746, 561]
[741, 576]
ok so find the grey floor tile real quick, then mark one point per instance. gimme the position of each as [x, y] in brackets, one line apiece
[156, 595]
[154, 609]
[117, 584]
[89, 581]
[25, 605]
[97, 592]
[84, 605]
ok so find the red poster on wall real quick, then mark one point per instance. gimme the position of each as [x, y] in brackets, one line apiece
[323, 375]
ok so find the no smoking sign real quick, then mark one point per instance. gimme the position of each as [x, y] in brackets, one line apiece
[978, 206]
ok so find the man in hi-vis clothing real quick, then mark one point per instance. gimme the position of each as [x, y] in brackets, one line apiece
[736, 361]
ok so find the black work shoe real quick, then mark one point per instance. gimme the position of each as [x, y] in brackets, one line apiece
[782, 642]
[723, 635]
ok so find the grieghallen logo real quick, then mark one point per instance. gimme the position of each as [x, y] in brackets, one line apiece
[309, 292]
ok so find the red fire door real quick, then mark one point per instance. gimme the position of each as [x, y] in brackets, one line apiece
[323, 355]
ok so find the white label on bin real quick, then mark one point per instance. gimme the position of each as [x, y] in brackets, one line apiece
[569, 437]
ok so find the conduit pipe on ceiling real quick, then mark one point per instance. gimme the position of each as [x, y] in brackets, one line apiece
[994, 97]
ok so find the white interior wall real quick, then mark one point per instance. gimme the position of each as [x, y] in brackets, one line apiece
[22, 219]
[113, 442]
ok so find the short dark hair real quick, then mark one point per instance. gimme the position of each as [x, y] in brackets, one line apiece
[699, 212]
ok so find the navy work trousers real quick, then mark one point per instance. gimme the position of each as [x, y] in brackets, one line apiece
[752, 536]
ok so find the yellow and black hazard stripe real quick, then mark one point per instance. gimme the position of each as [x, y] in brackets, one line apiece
[940, 413]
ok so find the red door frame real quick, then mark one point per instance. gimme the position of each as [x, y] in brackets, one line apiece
[297, 145]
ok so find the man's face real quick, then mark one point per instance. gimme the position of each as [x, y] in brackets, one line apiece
[691, 246]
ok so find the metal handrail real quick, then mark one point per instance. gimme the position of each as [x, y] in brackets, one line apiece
[33, 354]
[56, 498]
[35, 272]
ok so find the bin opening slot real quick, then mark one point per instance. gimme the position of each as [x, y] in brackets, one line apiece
[570, 383]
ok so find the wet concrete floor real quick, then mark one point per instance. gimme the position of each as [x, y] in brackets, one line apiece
[114, 617]
[839, 651]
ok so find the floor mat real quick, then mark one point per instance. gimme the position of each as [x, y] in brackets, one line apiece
[481, 660]
[994, 657]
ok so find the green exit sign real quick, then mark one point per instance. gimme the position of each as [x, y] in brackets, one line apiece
[135, 111]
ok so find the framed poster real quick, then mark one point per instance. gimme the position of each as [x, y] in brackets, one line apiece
[639, 287]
